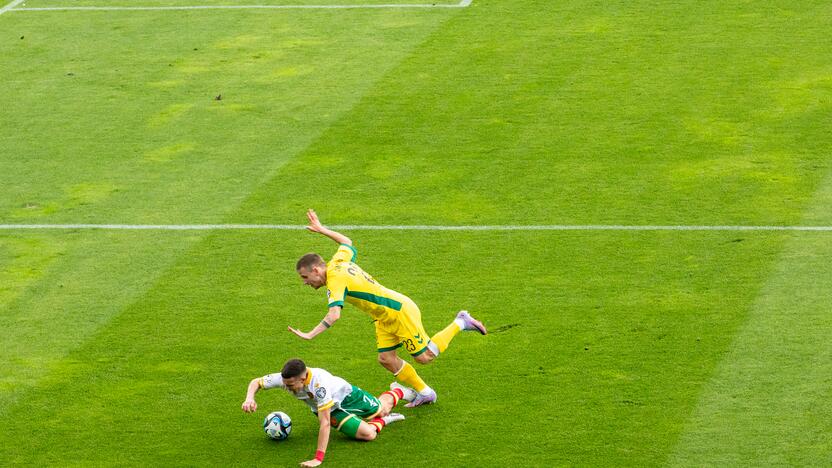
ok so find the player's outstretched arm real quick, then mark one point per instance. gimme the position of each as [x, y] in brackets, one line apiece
[331, 317]
[249, 405]
[316, 226]
[323, 439]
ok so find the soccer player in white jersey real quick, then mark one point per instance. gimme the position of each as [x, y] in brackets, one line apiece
[335, 401]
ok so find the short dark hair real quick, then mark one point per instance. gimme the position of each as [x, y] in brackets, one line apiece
[309, 260]
[292, 368]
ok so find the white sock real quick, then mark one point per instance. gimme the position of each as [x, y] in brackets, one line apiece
[433, 348]
[392, 417]
[427, 390]
[460, 323]
[408, 394]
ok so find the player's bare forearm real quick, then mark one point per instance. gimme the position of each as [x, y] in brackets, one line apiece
[323, 432]
[249, 405]
[336, 236]
[316, 226]
[331, 317]
[323, 439]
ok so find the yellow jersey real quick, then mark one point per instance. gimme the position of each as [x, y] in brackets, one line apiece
[346, 281]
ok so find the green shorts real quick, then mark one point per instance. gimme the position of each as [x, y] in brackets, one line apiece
[356, 406]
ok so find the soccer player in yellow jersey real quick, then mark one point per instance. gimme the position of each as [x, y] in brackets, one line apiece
[397, 318]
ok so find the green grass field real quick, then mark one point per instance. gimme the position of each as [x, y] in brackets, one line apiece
[608, 348]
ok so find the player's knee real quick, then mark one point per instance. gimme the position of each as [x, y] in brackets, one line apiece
[366, 432]
[424, 358]
[389, 362]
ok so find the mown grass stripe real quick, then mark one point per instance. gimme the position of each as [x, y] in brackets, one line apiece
[461, 4]
[416, 227]
[766, 403]
[63, 312]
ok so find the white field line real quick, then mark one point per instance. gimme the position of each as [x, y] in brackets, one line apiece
[461, 4]
[10, 6]
[358, 227]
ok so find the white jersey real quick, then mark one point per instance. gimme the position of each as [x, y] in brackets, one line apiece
[321, 390]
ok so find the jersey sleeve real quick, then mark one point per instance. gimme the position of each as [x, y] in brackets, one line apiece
[336, 287]
[323, 396]
[345, 253]
[271, 381]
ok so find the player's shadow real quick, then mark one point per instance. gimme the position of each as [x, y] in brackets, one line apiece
[504, 328]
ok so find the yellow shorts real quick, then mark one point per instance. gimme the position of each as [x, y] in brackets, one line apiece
[404, 329]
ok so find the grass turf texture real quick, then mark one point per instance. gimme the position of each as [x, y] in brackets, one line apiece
[180, 3]
[607, 348]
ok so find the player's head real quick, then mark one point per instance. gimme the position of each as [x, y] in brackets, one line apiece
[312, 269]
[294, 374]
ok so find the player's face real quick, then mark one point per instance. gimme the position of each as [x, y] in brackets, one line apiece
[314, 276]
[294, 384]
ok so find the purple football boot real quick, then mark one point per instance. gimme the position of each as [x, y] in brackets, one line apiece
[422, 399]
[471, 323]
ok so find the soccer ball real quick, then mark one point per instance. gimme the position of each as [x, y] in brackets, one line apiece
[277, 425]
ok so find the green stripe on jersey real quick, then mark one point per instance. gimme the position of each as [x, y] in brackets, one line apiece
[381, 350]
[382, 301]
[354, 252]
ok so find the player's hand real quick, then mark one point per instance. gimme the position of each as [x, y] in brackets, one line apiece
[314, 223]
[305, 336]
[312, 462]
[250, 406]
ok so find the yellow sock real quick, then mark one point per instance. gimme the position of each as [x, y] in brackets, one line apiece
[443, 338]
[408, 376]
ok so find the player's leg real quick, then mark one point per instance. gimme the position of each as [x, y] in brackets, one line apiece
[414, 339]
[353, 426]
[462, 322]
[425, 351]
[360, 404]
[412, 333]
[388, 341]
[389, 400]
[366, 431]
[370, 429]
[403, 371]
